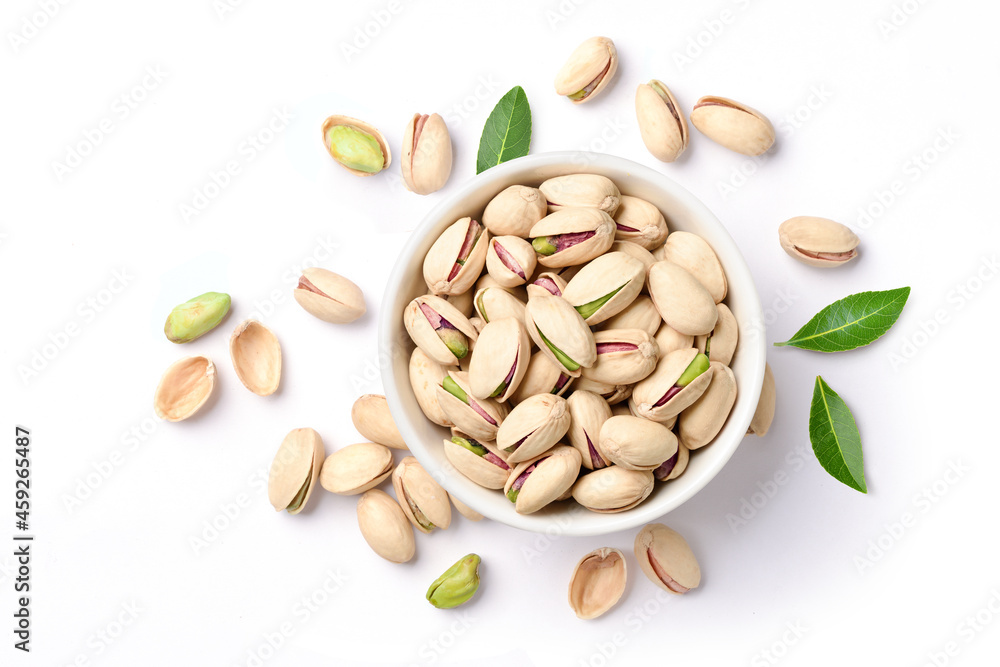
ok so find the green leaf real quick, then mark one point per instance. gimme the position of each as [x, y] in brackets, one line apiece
[507, 134]
[854, 321]
[835, 438]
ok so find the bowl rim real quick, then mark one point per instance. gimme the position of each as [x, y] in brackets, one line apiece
[575, 162]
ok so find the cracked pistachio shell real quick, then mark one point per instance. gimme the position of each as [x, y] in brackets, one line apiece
[329, 296]
[510, 260]
[764, 414]
[426, 337]
[294, 470]
[452, 265]
[698, 424]
[624, 356]
[665, 557]
[640, 314]
[574, 221]
[196, 317]
[422, 499]
[669, 340]
[675, 465]
[488, 471]
[553, 475]
[588, 412]
[818, 241]
[372, 418]
[426, 155]
[630, 408]
[385, 527]
[425, 377]
[648, 392]
[639, 222]
[598, 582]
[605, 286]
[544, 376]
[356, 468]
[570, 341]
[693, 254]
[613, 489]
[588, 70]
[636, 443]
[256, 356]
[479, 417]
[611, 393]
[465, 510]
[733, 125]
[581, 191]
[662, 124]
[500, 359]
[547, 283]
[534, 426]
[184, 387]
[514, 211]
[721, 343]
[356, 146]
[496, 303]
[682, 300]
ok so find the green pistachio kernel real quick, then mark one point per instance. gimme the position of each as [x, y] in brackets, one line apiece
[578, 95]
[452, 388]
[588, 309]
[455, 340]
[457, 585]
[542, 246]
[694, 369]
[356, 149]
[471, 445]
[512, 495]
[560, 355]
[195, 318]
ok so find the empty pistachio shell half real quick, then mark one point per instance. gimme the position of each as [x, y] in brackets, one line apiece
[426, 157]
[661, 121]
[669, 339]
[588, 70]
[256, 356]
[605, 286]
[357, 146]
[680, 378]
[425, 377]
[598, 582]
[764, 414]
[572, 236]
[457, 257]
[587, 412]
[635, 443]
[693, 254]
[184, 387]
[640, 314]
[624, 356]
[479, 417]
[496, 303]
[457, 585]
[535, 483]
[698, 424]
[684, 303]
[665, 557]
[818, 241]
[500, 359]
[510, 260]
[674, 466]
[544, 376]
[196, 317]
[294, 470]
[329, 296]
[640, 222]
[720, 345]
[384, 527]
[733, 125]
[515, 211]
[560, 332]
[423, 500]
[581, 190]
[547, 282]
[480, 461]
[613, 489]
[533, 427]
[439, 329]
[356, 468]
[372, 418]
[465, 510]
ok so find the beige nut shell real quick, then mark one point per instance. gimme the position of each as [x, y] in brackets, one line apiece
[598, 582]
[426, 156]
[184, 388]
[385, 527]
[297, 464]
[734, 125]
[361, 125]
[256, 356]
[329, 296]
[666, 559]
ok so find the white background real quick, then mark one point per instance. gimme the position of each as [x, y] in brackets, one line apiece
[119, 499]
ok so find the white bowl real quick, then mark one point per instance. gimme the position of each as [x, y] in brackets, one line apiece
[682, 211]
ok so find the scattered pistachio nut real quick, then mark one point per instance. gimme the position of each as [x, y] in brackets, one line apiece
[371, 416]
[294, 470]
[357, 146]
[329, 296]
[640, 222]
[356, 468]
[385, 527]
[818, 241]
[196, 317]
[736, 126]
[457, 257]
[662, 124]
[588, 70]
[457, 585]
[598, 582]
[666, 559]
[426, 157]
[256, 355]
[514, 211]
[423, 501]
[764, 414]
[184, 388]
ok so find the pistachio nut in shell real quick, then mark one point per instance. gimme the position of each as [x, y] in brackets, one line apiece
[385, 527]
[588, 70]
[624, 356]
[534, 426]
[329, 296]
[465, 510]
[184, 388]
[640, 314]
[500, 359]
[679, 380]
[457, 257]
[422, 499]
[544, 376]
[662, 124]
[666, 559]
[764, 414]
[294, 470]
[510, 260]
[698, 424]
[693, 254]
[640, 222]
[818, 241]
[425, 377]
[372, 418]
[462, 302]
[669, 339]
[572, 236]
[720, 344]
[636, 443]
[357, 146]
[581, 190]
[547, 282]
[480, 461]
[256, 356]
[356, 468]
[605, 286]
[196, 317]
[439, 329]
[588, 412]
[535, 483]
[598, 582]
[514, 211]
[495, 303]
[560, 333]
[675, 465]
[637, 251]
[684, 303]
[457, 585]
[480, 418]
[486, 280]
[426, 156]
[736, 126]
[613, 489]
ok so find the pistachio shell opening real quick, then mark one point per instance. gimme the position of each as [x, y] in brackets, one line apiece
[256, 356]
[598, 582]
[184, 387]
[294, 470]
[329, 296]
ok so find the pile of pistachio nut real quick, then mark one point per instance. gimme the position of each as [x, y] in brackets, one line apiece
[572, 315]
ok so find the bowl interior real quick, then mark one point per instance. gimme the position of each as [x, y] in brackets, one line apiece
[683, 212]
